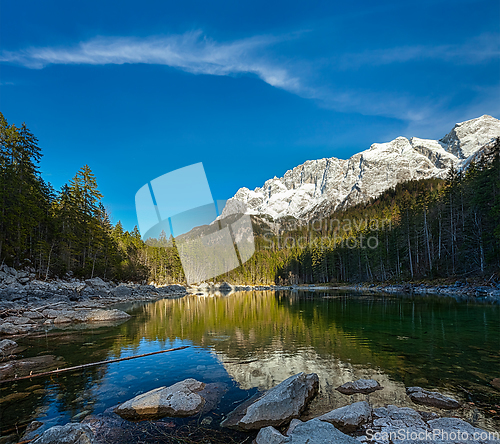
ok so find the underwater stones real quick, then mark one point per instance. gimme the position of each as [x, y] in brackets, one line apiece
[72, 433]
[364, 386]
[433, 399]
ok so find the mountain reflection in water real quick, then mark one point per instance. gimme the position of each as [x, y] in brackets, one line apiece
[254, 340]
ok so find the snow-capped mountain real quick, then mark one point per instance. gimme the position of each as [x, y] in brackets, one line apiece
[323, 185]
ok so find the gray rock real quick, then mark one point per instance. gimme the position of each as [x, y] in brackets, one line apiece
[9, 280]
[450, 427]
[315, 431]
[33, 315]
[294, 423]
[97, 283]
[18, 320]
[147, 288]
[72, 286]
[349, 418]
[9, 329]
[391, 412]
[10, 270]
[121, 291]
[434, 399]
[72, 433]
[42, 285]
[360, 386]
[62, 320]
[7, 345]
[277, 406]
[51, 313]
[178, 400]
[172, 289]
[390, 420]
[269, 435]
[5, 305]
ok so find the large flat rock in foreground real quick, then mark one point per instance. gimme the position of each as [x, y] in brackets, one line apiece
[179, 400]
[277, 406]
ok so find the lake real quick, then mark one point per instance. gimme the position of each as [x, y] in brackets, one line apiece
[251, 341]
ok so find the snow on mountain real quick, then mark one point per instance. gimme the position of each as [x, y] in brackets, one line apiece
[319, 186]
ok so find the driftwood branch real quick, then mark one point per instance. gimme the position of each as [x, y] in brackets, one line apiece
[92, 364]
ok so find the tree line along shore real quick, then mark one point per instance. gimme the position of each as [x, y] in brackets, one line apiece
[430, 230]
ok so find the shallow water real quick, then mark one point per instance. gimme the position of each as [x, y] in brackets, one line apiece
[253, 340]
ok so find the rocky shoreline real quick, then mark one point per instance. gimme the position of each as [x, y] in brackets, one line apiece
[459, 288]
[32, 305]
[274, 417]
[28, 304]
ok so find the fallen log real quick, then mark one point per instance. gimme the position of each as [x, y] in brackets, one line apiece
[92, 364]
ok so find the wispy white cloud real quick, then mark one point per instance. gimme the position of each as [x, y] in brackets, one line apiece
[195, 53]
[481, 49]
[191, 52]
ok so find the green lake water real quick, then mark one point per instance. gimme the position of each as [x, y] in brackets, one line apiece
[251, 341]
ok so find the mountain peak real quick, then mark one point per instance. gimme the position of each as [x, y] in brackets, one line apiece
[320, 186]
[468, 137]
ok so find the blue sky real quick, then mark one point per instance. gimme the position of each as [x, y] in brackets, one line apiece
[251, 89]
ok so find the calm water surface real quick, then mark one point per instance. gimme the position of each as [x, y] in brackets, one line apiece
[253, 340]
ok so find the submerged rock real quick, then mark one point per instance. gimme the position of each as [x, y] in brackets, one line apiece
[364, 386]
[496, 383]
[32, 426]
[72, 433]
[13, 397]
[433, 399]
[23, 367]
[178, 400]
[277, 406]
[349, 418]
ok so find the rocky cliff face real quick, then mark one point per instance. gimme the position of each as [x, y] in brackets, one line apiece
[321, 186]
